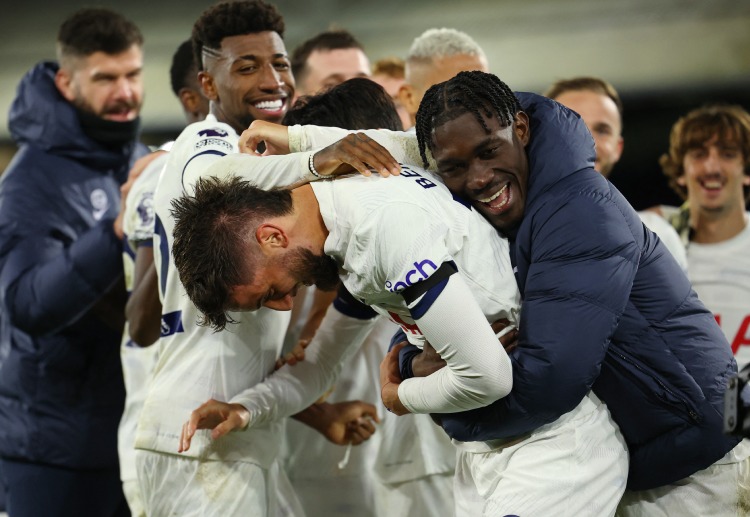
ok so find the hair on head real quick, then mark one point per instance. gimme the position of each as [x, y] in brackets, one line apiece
[325, 41]
[233, 19]
[479, 93]
[96, 29]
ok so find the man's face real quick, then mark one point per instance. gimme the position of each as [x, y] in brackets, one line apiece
[327, 68]
[279, 277]
[251, 80]
[601, 116]
[419, 77]
[489, 170]
[109, 86]
[715, 175]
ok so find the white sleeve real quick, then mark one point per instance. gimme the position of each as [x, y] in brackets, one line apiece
[401, 144]
[293, 388]
[478, 370]
[267, 172]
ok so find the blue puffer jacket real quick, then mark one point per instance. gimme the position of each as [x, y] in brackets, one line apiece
[61, 388]
[605, 306]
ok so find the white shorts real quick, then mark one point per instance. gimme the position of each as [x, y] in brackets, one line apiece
[577, 465]
[721, 490]
[132, 492]
[429, 495]
[185, 486]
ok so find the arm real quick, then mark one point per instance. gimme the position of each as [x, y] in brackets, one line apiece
[290, 389]
[143, 310]
[478, 370]
[575, 292]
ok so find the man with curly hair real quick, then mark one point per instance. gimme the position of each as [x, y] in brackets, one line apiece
[708, 164]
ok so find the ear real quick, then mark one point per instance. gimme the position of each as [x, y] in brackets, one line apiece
[190, 100]
[620, 147]
[522, 128]
[680, 180]
[207, 85]
[271, 238]
[64, 84]
[746, 180]
[408, 99]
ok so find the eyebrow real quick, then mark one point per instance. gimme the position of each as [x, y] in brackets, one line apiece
[253, 57]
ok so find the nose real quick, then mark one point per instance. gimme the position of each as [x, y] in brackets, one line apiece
[713, 160]
[123, 89]
[271, 79]
[478, 177]
[282, 304]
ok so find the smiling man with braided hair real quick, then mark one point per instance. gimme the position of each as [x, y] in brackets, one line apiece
[605, 307]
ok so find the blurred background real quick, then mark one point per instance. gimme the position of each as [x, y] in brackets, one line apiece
[664, 56]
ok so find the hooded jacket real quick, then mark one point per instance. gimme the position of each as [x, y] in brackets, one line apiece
[605, 307]
[61, 388]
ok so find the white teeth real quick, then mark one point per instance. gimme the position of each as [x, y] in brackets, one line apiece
[269, 105]
[494, 196]
[712, 184]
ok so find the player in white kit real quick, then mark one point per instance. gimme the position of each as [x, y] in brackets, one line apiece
[388, 239]
[238, 475]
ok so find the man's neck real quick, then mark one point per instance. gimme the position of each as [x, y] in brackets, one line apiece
[309, 223]
[713, 227]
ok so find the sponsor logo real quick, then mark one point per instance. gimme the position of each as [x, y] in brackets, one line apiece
[99, 203]
[214, 131]
[171, 323]
[145, 209]
[214, 142]
[420, 272]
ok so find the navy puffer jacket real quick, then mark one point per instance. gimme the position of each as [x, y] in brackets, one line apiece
[61, 388]
[605, 306]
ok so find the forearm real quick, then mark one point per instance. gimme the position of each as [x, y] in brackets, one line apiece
[293, 388]
[62, 283]
[402, 145]
[266, 172]
[143, 310]
[478, 370]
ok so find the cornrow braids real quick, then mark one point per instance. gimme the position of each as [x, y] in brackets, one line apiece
[482, 94]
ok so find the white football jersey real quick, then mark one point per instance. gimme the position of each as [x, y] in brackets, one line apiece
[137, 362]
[195, 363]
[387, 234]
[720, 274]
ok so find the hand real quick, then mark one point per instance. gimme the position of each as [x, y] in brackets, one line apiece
[138, 167]
[297, 354]
[390, 379]
[350, 422]
[427, 363]
[221, 417]
[509, 340]
[357, 152]
[275, 137]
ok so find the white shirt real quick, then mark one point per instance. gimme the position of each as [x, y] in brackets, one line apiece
[667, 235]
[385, 234]
[195, 363]
[720, 274]
[137, 362]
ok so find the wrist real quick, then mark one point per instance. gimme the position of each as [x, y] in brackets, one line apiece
[314, 171]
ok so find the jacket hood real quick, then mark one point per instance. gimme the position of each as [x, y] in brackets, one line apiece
[41, 117]
[560, 143]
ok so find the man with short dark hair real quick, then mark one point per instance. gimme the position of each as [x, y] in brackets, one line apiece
[328, 59]
[245, 73]
[61, 387]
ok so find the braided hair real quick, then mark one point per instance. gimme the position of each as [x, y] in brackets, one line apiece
[480, 93]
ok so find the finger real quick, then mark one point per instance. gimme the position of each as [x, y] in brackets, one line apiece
[279, 363]
[367, 425]
[187, 437]
[360, 149]
[390, 165]
[182, 438]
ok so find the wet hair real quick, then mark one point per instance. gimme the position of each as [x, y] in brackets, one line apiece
[233, 19]
[730, 122]
[444, 42]
[479, 93]
[328, 40]
[587, 84]
[358, 103]
[91, 30]
[214, 240]
[183, 71]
